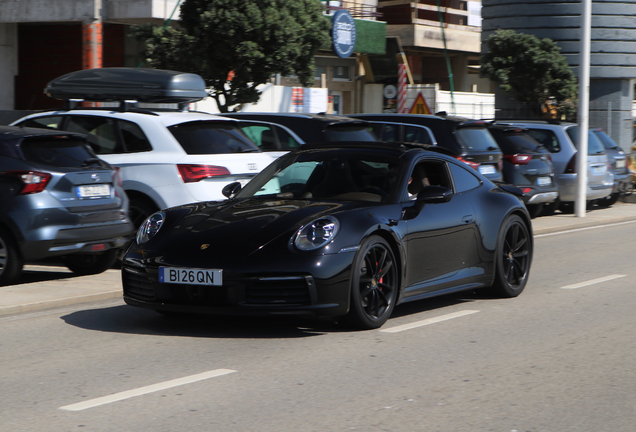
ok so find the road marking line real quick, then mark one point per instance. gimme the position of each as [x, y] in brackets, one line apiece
[583, 229]
[593, 281]
[145, 390]
[429, 321]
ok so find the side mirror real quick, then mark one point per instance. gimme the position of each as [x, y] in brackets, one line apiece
[231, 189]
[434, 194]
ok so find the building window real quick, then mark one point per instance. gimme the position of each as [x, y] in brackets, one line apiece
[319, 71]
[341, 73]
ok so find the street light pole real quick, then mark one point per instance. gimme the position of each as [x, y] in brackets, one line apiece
[584, 106]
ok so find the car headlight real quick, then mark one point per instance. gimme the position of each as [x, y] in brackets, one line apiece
[317, 233]
[150, 227]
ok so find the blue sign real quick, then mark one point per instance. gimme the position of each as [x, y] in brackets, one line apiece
[343, 33]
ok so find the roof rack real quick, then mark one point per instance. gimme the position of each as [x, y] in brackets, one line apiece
[128, 86]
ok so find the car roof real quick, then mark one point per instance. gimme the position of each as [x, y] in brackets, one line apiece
[310, 116]
[397, 147]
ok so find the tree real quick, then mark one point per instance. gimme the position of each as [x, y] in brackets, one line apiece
[237, 45]
[531, 70]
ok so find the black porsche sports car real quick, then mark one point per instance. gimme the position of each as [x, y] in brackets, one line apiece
[341, 229]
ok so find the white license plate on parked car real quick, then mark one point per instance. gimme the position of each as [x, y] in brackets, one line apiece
[598, 169]
[190, 276]
[487, 169]
[543, 181]
[620, 163]
[93, 191]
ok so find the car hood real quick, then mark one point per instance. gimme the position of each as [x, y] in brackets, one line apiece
[236, 230]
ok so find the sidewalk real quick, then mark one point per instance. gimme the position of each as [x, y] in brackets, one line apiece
[43, 287]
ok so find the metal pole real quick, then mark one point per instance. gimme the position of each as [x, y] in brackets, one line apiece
[584, 102]
[609, 118]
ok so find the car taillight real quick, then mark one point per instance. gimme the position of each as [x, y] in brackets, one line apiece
[33, 181]
[471, 164]
[518, 159]
[526, 190]
[571, 167]
[195, 173]
[117, 177]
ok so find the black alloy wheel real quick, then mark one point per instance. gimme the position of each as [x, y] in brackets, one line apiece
[11, 262]
[513, 258]
[139, 209]
[374, 284]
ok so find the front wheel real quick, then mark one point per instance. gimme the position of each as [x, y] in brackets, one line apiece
[91, 263]
[512, 258]
[374, 284]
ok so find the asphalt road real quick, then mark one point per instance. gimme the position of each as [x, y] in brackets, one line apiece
[560, 357]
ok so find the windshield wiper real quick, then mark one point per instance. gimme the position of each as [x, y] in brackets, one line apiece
[91, 161]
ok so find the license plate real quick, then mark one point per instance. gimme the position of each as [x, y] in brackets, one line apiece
[620, 163]
[487, 169]
[598, 169]
[93, 191]
[190, 276]
[543, 181]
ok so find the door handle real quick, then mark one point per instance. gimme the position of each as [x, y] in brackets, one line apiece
[468, 219]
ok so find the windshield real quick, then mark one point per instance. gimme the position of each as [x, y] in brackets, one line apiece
[476, 139]
[594, 145]
[61, 152]
[332, 175]
[607, 142]
[516, 142]
[211, 137]
[349, 132]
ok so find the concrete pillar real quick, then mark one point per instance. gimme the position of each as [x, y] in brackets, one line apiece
[92, 35]
[8, 64]
[617, 95]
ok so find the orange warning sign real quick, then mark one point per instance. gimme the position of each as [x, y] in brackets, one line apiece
[420, 106]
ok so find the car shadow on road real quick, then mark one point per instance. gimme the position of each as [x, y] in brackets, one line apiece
[127, 319]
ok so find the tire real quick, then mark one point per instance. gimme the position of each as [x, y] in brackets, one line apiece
[609, 200]
[512, 258]
[11, 262]
[567, 207]
[91, 263]
[374, 284]
[535, 210]
[139, 209]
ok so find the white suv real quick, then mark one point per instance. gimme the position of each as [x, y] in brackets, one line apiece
[166, 157]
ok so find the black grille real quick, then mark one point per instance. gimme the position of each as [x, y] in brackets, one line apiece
[138, 283]
[278, 291]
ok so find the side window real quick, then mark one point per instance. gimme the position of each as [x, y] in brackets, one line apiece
[262, 136]
[547, 138]
[135, 140]
[463, 178]
[49, 122]
[428, 173]
[287, 142]
[101, 131]
[416, 134]
[390, 132]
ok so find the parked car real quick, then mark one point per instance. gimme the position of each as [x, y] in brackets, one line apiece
[527, 165]
[167, 157]
[618, 162]
[402, 132]
[274, 139]
[314, 128]
[468, 140]
[330, 230]
[560, 138]
[57, 199]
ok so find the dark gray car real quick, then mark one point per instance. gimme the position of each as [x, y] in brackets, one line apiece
[57, 199]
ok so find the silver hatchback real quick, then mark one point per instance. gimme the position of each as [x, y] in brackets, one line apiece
[561, 140]
[57, 199]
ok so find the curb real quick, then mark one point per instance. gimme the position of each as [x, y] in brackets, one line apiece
[47, 304]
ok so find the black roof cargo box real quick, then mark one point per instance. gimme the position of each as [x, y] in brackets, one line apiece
[122, 84]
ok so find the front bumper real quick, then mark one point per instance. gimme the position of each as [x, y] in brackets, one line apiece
[289, 286]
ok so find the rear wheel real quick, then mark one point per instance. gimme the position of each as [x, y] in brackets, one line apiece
[91, 263]
[374, 284]
[550, 208]
[11, 262]
[609, 200]
[513, 258]
[140, 208]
